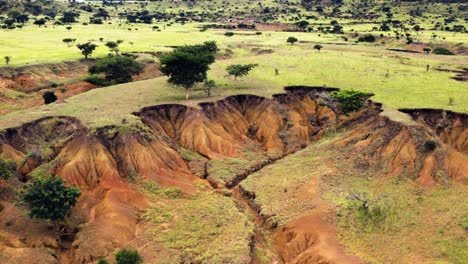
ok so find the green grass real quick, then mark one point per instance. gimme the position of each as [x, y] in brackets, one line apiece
[277, 187]
[419, 224]
[223, 171]
[205, 227]
[399, 80]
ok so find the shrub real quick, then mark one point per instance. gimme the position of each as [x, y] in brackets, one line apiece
[128, 256]
[172, 192]
[102, 261]
[117, 69]
[229, 34]
[442, 51]
[49, 97]
[239, 70]
[349, 100]
[367, 38]
[292, 40]
[49, 198]
[96, 80]
[7, 168]
[430, 145]
[370, 215]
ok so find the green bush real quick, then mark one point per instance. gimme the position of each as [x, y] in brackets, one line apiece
[117, 69]
[49, 198]
[102, 261]
[49, 97]
[172, 192]
[349, 100]
[374, 215]
[128, 256]
[96, 80]
[229, 34]
[7, 168]
[367, 38]
[292, 40]
[430, 145]
[442, 51]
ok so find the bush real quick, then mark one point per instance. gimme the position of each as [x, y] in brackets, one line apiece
[442, 51]
[229, 34]
[128, 256]
[239, 70]
[349, 100]
[292, 40]
[49, 97]
[367, 38]
[7, 168]
[102, 261]
[371, 214]
[430, 145]
[96, 80]
[117, 69]
[49, 198]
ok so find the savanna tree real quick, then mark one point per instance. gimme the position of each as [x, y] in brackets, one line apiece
[68, 41]
[87, 48]
[114, 46]
[239, 70]
[188, 65]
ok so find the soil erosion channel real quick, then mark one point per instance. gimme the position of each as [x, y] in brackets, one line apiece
[236, 145]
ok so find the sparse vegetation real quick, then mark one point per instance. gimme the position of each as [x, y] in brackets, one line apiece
[7, 168]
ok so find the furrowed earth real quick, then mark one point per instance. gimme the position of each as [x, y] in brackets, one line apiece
[267, 169]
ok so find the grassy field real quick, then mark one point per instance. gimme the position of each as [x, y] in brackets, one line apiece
[430, 223]
[205, 227]
[399, 80]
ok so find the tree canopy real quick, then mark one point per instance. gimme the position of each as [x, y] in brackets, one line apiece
[117, 69]
[49, 198]
[87, 48]
[188, 65]
[239, 70]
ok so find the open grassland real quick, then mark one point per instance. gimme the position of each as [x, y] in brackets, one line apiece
[399, 80]
[430, 223]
